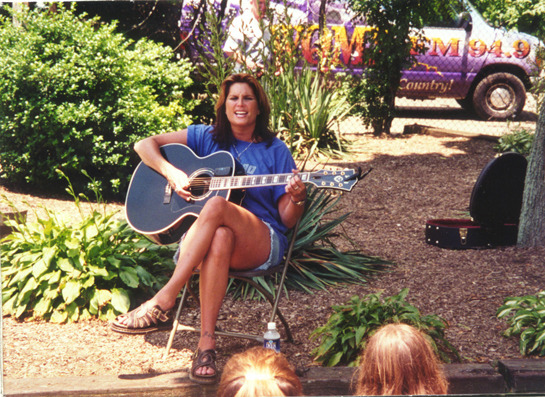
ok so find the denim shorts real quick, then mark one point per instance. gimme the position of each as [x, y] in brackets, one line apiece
[275, 256]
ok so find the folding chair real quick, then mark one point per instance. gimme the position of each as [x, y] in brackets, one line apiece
[245, 276]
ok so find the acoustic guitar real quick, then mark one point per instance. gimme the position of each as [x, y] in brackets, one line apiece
[152, 208]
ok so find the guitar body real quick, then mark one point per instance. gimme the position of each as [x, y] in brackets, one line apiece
[155, 210]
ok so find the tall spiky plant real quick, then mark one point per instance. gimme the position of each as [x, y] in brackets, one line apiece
[316, 261]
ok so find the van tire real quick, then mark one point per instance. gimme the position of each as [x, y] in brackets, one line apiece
[499, 96]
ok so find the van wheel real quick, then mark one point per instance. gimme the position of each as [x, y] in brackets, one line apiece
[499, 96]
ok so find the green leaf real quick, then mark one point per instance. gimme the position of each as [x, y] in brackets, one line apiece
[112, 260]
[20, 309]
[8, 305]
[99, 271]
[335, 359]
[129, 276]
[120, 300]
[42, 307]
[39, 268]
[71, 291]
[360, 333]
[72, 312]
[99, 299]
[58, 317]
[65, 265]
[147, 279]
[27, 291]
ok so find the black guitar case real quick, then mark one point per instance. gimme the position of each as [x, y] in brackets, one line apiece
[494, 206]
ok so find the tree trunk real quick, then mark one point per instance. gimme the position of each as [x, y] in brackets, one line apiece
[531, 231]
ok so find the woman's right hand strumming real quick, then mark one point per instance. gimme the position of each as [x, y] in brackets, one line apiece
[179, 182]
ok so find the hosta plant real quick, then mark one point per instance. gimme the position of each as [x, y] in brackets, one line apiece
[526, 318]
[519, 141]
[64, 272]
[348, 328]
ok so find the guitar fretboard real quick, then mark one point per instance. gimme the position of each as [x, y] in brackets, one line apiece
[240, 182]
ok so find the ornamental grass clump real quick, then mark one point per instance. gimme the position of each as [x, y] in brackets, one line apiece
[64, 272]
[348, 328]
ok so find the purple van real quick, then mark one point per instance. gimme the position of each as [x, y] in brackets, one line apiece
[485, 69]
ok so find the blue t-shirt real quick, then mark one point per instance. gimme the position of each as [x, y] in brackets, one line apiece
[257, 159]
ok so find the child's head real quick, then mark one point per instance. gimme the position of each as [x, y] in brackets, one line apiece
[259, 372]
[398, 360]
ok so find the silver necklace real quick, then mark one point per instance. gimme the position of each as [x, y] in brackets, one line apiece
[241, 153]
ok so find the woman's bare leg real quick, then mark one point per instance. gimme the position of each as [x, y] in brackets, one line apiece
[250, 247]
[251, 244]
[213, 283]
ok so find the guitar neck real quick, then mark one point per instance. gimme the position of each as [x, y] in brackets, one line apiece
[246, 181]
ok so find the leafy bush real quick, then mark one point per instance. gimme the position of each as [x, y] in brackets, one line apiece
[394, 28]
[64, 273]
[524, 16]
[519, 141]
[316, 261]
[526, 318]
[348, 328]
[76, 95]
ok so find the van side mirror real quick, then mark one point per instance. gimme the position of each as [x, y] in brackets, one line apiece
[464, 21]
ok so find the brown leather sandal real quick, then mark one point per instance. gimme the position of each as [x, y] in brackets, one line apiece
[144, 321]
[206, 358]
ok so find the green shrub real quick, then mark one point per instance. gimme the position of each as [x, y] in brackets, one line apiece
[76, 95]
[526, 318]
[346, 332]
[519, 141]
[63, 273]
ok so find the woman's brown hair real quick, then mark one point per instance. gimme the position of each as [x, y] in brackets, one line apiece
[398, 360]
[222, 129]
[259, 372]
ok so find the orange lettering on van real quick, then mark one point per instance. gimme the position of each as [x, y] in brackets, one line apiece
[282, 33]
[306, 44]
[522, 49]
[352, 51]
[419, 46]
[437, 43]
[477, 48]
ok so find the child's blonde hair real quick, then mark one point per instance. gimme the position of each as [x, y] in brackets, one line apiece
[259, 372]
[398, 360]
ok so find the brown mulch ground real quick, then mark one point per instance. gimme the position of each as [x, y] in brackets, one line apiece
[415, 178]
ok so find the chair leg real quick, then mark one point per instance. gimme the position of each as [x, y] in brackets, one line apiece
[271, 299]
[275, 310]
[175, 323]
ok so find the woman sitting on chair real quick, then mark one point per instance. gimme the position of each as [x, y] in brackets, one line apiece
[225, 235]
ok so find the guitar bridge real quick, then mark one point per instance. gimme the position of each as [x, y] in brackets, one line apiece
[167, 194]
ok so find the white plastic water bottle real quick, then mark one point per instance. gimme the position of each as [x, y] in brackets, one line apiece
[271, 338]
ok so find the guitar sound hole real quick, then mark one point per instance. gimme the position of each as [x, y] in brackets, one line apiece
[199, 185]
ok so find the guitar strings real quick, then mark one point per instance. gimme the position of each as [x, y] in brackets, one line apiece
[207, 181]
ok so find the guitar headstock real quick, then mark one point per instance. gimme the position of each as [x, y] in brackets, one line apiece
[340, 180]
